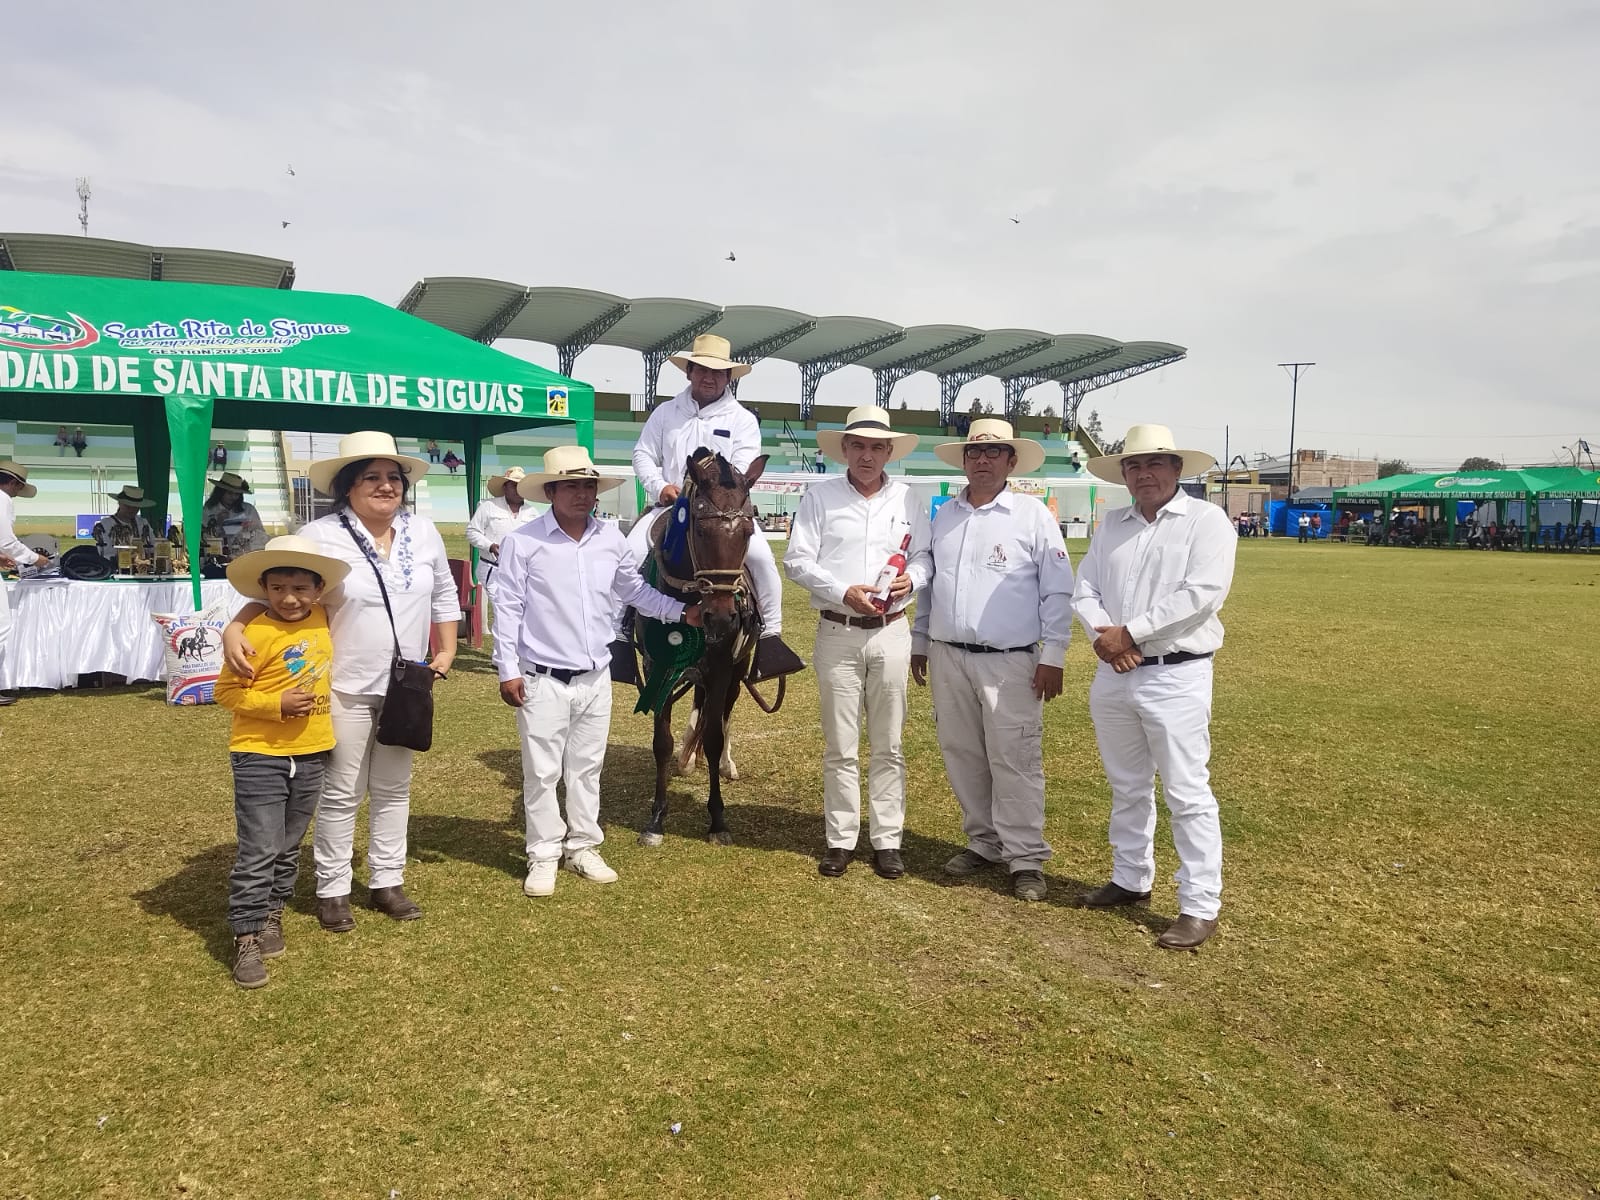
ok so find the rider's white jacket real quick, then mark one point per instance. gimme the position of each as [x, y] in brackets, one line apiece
[679, 427]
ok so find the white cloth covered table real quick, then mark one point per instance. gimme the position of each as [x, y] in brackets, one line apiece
[63, 628]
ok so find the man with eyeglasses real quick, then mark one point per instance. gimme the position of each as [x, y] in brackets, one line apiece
[993, 635]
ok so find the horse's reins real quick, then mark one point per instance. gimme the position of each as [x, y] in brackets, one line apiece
[707, 581]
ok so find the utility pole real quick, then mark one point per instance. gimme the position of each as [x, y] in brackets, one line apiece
[83, 205]
[1295, 370]
[1225, 461]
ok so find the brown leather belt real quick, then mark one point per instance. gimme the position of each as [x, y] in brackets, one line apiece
[862, 622]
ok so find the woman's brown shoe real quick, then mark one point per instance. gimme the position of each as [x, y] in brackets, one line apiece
[333, 914]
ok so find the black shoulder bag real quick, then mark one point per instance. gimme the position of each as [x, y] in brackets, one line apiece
[406, 718]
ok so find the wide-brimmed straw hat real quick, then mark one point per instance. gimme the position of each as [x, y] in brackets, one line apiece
[291, 550]
[509, 475]
[987, 430]
[132, 496]
[7, 467]
[355, 447]
[233, 482]
[870, 423]
[1149, 439]
[712, 351]
[565, 462]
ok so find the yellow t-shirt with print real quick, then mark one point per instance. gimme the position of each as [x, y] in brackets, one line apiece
[289, 654]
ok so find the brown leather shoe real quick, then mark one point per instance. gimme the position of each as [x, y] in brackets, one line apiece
[334, 915]
[888, 864]
[835, 861]
[1187, 933]
[1109, 895]
[395, 904]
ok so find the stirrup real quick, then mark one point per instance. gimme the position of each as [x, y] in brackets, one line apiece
[773, 658]
[624, 663]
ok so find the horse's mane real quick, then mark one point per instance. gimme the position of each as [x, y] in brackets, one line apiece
[726, 476]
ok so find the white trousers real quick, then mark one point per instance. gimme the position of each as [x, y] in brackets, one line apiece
[763, 570]
[1153, 721]
[359, 767]
[5, 620]
[856, 668]
[991, 729]
[564, 728]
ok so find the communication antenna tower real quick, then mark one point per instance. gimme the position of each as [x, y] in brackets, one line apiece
[83, 204]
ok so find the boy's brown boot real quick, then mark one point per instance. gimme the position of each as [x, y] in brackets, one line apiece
[248, 969]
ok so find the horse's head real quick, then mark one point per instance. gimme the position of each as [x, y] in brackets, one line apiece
[721, 522]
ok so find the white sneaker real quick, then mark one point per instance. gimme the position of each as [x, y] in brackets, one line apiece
[541, 880]
[588, 863]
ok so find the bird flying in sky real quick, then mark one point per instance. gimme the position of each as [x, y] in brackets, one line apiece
[291, 168]
[730, 257]
[286, 224]
[1015, 220]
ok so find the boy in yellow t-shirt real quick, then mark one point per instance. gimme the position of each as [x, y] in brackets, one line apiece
[282, 733]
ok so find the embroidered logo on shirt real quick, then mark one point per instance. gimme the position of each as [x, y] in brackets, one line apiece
[1061, 554]
[997, 556]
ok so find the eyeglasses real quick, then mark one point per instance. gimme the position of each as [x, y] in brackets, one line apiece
[995, 450]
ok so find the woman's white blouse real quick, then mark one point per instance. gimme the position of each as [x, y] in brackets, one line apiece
[421, 591]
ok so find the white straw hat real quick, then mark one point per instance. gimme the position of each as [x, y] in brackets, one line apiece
[291, 550]
[712, 351]
[355, 447]
[1148, 439]
[510, 475]
[870, 423]
[565, 462]
[132, 496]
[986, 430]
[7, 467]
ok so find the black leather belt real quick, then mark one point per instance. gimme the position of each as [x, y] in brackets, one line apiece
[559, 674]
[971, 648]
[1167, 660]
[862, 622]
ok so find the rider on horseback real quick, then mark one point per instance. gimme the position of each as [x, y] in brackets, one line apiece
[706, 414]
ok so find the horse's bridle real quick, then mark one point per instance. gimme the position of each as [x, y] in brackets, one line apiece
[710, 581]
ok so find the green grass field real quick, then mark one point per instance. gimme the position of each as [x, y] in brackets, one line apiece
[1402, 1000]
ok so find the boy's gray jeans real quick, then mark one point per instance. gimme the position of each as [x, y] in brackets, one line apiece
[274, 797]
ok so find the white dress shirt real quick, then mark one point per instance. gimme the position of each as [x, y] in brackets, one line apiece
[10, 545]
[1164, 579]
[421, 591]
[1001, 578]
[841, 538]
[556, 600]
[489, 526]
[679, 427]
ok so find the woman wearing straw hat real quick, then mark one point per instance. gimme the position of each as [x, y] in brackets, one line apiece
[999, 615]
[232, 519]
[706, 413]
[497, 516]
[844, 535]
[1149, 592]
[127, 525]
[371, 529]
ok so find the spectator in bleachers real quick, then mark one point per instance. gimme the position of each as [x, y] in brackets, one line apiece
[63, 440]
[817, 464]
[452, 461]
[433, 450]
[79, 442]
[219, 457]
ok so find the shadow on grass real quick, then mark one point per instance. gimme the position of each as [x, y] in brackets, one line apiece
[196, 897]
[473, 662]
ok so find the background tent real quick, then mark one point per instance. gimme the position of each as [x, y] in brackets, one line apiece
[171, 358]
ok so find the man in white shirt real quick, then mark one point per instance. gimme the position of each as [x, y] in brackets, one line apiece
[998, 616]
[706, 413]
[1149, 591]
[497, 516]
[125, 527]
[13, 483]
[847, 529]
[560, 584]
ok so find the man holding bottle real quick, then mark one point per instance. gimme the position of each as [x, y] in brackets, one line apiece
[859, 546]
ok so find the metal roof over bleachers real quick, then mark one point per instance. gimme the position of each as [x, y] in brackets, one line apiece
[573, 319]
[64, 254]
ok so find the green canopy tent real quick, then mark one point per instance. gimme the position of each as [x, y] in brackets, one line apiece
[171, 358]
[1375, 491]
[1577, 484]
[1450, 486]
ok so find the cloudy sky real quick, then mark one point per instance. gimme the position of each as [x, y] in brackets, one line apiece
[1407, 194]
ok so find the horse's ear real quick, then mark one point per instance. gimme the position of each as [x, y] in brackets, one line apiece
[753, 471]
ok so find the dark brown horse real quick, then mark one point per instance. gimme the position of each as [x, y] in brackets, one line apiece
[710, 569]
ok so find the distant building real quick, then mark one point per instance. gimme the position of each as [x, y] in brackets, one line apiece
[1270, 478]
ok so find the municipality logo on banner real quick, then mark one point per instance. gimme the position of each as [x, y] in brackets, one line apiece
[555, 401]
[39, 331]
[33, 331]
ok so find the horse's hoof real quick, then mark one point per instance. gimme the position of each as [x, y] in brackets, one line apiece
[730, 770]
[649, 839]
[683, 768]
[720, 837]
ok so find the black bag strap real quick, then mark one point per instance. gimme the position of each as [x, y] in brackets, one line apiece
[372, 558]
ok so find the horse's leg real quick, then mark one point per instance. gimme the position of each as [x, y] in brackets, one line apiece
[662, 745]
[714, 733]
[690, 745]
